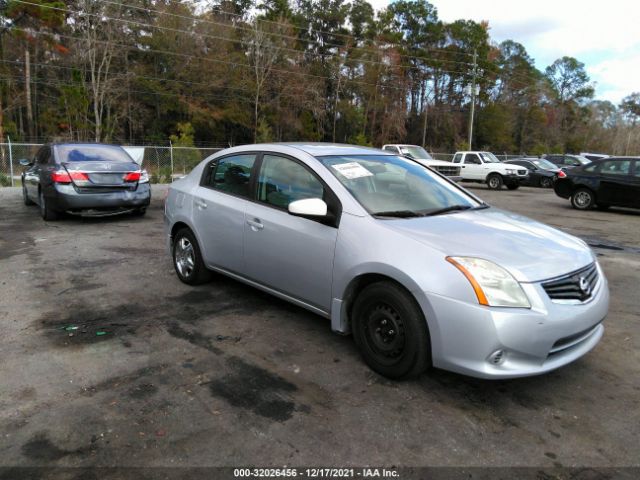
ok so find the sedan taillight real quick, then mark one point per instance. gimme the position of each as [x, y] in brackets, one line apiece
[132, 176]
[63, 176]
[561, 174]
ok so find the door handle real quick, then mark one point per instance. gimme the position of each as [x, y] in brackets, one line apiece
[201, 204]
[255, 224]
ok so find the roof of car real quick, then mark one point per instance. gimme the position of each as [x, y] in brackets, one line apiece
[318, 149]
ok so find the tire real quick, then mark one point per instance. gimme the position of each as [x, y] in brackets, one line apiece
[583, 199]
[25, 196]
[494, 181]
[391, 332]
[48, 213]
[187, 259]
[546, 182]
[513, 186]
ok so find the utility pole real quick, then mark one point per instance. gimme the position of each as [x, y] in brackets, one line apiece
[473, 96]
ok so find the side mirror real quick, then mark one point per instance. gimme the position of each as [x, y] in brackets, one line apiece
[25, 163]
[308, 207]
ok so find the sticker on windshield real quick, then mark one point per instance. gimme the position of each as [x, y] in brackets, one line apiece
[352, 170]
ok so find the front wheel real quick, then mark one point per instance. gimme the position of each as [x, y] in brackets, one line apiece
[494, 182]
[546, 182]
[583, 199]
[391, 332]
[187, 259]
[25, 195]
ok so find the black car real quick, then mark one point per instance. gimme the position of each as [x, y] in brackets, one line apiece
[84, 179]
[542, 173]
[603, 183]
[566, 161]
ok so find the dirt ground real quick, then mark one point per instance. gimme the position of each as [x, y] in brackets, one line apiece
[159, 374]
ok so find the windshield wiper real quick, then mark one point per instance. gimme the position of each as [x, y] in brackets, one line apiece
[398, 214]
[452, 208]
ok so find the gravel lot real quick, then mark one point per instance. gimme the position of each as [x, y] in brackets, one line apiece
[223, 374]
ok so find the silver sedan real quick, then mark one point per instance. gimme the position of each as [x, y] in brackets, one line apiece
[420, 271]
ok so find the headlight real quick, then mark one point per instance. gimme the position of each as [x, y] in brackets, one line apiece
[494, 286]
[510, 171]
[144, 177]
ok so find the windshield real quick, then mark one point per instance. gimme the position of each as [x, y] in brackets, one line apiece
[92, 153]
[489, 157]
[581, 159]
[393, 186]
[544, 164]
[415, 152]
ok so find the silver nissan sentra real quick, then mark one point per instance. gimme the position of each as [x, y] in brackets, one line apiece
[419, 270]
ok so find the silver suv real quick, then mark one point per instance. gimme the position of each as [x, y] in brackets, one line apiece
[419, 270]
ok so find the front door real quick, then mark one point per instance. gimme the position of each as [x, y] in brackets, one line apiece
[473, 168]
[293, 255]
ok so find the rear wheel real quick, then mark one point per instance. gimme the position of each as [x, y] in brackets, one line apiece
[25, 196]
[583, 199]
[390, 331]
[545, 182]
[494, 181]
[48, 213]
[187, 259]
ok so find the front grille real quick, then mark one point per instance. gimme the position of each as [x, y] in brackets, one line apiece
[447, 170]
[522, 172]
[578, 285]
[572, 340]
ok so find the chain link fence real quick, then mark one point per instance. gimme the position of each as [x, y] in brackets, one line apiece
[163, 163]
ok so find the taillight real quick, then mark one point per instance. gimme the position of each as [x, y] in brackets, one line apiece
[61, 176]
[561, 174]
[132, 177]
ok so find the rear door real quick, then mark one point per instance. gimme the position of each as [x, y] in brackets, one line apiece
[291, 254]
[219, 205]
[617, 185]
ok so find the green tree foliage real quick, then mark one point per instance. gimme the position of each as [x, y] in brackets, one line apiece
[227, 72]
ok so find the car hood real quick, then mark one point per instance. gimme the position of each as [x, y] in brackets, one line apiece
[435, 163]
[529, 250]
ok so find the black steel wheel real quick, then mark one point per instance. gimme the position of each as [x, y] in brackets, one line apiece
[390, 330]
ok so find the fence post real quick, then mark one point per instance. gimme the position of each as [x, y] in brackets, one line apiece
[10, 160]
[171, 156]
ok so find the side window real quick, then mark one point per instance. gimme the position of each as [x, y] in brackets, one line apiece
[457, 158]
[389, 148]
[231, 174]
[472, 158]
[616, 167]
[283, 181]
[636, 172]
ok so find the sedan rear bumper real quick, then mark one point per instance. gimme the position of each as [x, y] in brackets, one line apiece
[67, 198]
[500, 343]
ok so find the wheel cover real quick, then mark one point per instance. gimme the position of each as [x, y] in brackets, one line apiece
[184, 257]
[385, 332]
[583, 199]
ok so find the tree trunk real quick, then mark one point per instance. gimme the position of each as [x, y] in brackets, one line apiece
[27, 86]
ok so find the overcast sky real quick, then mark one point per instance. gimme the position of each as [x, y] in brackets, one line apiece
[605, 36]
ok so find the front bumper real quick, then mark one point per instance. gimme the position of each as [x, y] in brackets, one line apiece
[514, 178]
[67, 198]
[465, 337]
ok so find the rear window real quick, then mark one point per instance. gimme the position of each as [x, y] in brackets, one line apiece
[92, 153]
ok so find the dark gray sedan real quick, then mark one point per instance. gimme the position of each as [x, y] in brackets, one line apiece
[85, 179]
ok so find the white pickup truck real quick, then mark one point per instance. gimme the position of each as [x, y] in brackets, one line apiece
[421, 156]
[484, 167]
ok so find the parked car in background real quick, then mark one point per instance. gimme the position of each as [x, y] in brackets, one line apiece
[542, 173]
[593, 156]
[419, 270]
[613, 181]
[566, 161]
[484, 167]
[84, 179]
[423, 157]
